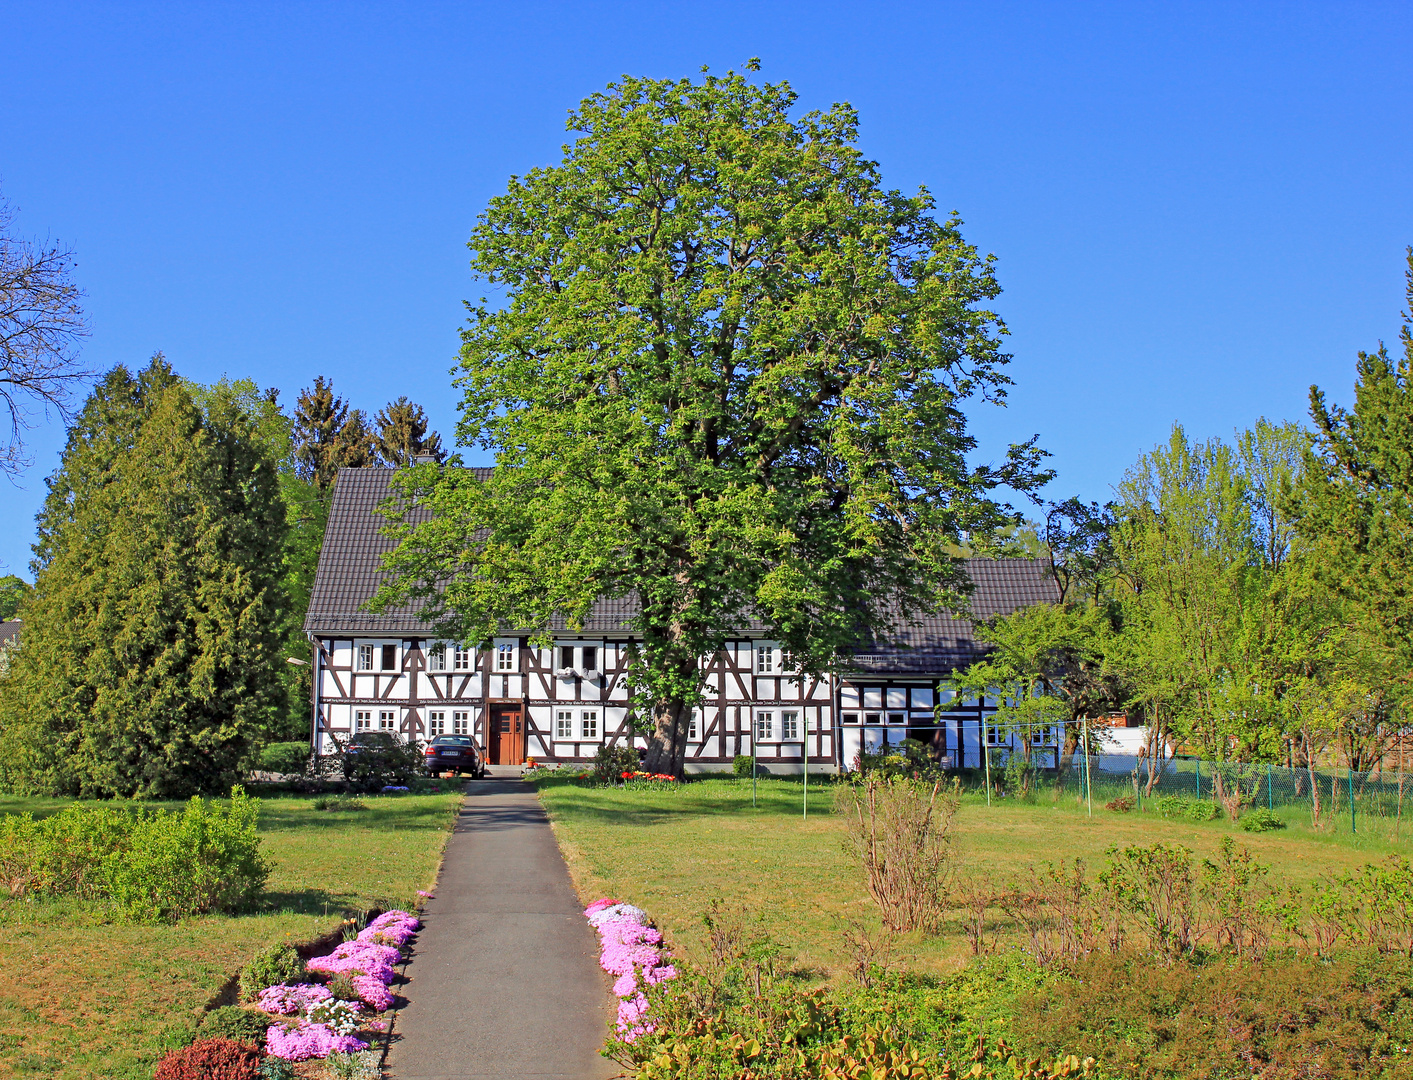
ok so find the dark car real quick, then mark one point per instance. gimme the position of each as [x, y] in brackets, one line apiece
[366, 742]
[454, 754]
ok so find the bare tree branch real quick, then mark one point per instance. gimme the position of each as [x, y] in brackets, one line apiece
[41, 326]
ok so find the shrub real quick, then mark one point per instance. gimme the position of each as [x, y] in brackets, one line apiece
[1261, 821]
[1203, 810]
[378, 765]
[199, 859]
[273, 1068]
[277, 964]
[1155, 885]
[163, 864]
[360, 1066]
[901, 831]
[1122, 805]
[285, 757]
[611, 762]
[1278, 1017]
[742, 764]
[234, 1023]
[211, 1059]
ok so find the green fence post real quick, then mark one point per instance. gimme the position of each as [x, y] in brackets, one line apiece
[1353, 825]
[1270, 796]
[1197, 771]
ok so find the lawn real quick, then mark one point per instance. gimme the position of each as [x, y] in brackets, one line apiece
[85, 997]
[672, 850]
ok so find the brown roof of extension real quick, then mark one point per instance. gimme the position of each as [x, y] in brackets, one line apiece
[349, 574]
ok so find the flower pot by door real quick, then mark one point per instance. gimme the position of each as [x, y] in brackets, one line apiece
[507, 736]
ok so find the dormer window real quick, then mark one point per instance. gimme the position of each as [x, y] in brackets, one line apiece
[436, 657]
[462, 660]
[505, 656]
[591, 658]
[365, 658]
[566, 657]
[765, 659]
[389, 657]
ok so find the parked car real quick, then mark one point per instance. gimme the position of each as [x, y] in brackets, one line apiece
[454, 754]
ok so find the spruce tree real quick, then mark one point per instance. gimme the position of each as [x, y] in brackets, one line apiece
[328, 435]
[1358, 492]
[151, 659]
[402, 434]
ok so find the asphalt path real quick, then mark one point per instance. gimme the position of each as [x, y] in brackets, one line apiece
[504, 978]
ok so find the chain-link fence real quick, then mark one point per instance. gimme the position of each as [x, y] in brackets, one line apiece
[1338, 798]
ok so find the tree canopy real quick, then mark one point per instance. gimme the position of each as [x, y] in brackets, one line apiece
[150, 662]
[727, 381]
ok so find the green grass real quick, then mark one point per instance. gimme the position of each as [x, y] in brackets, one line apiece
[671, 850]
[86, 997]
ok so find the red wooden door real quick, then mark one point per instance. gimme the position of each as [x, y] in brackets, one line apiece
[507, 737]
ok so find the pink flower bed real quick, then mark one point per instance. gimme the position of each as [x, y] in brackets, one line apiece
[288, 1000]
[368, 960]
[632, 950]
[309, 1041]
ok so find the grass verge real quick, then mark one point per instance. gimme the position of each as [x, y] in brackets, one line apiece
[88, 997]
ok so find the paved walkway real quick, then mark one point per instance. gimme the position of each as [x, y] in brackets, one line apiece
[504, 980]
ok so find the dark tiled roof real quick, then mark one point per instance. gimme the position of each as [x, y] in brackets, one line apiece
[354, 545]
[945, 642]
[9, 630]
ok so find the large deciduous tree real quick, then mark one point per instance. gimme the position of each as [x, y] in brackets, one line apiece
[41, 325]
[150, 662]
[727, 380]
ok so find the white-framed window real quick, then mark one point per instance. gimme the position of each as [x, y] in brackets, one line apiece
[365, 658]
[787, 660]
[363, 719]
[387, 657]
[461, 661]
[566, 658]
[1041, 736]
[461, 723]
[765, 658]
[590, 662]
[436, 656]
[589, 724]
[897, 718]
[436, 722]
[765, 726]
[849, 718]
[995, 736]
[505, 656]
[692, 726]
[873, 718]
[564, 724]
[387, 720]
[789, 726]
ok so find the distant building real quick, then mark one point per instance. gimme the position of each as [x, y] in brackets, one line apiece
[387, 672]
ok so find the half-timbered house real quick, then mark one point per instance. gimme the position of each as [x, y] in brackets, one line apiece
[560, 703]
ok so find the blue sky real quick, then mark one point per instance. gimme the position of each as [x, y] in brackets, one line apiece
[1198, 210]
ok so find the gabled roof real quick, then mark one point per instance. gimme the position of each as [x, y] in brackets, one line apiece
[9, 631]
[349, 574]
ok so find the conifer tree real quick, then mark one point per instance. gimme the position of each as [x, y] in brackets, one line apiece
[328, 435]
[402, 434]
[1358, 492]
[151, 661]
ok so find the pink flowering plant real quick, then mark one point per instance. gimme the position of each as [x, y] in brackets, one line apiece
[631, 949]
[322, 1023]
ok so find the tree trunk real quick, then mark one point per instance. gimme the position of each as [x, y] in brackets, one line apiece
[667, 748]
